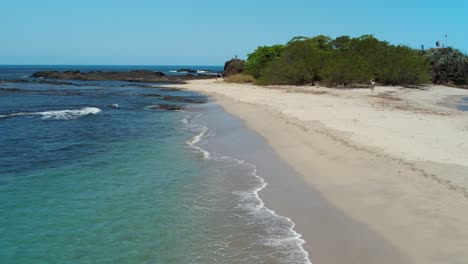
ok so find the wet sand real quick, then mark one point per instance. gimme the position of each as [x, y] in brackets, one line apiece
[326, 229]
[390, 199]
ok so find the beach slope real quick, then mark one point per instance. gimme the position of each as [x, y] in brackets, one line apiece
[394, 160]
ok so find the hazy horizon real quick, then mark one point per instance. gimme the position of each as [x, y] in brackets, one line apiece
[53, 32]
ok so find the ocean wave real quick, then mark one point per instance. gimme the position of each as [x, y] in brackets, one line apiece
[59, 114]
[202, 130]
[287, 238]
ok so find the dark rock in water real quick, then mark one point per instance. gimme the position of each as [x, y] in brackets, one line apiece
[168, 107]
[136, 75]
[72, 72]
[55, 82]
[14, 81]
[169, 89]
[152, 95]
[147, 73]
[233, 66]
[10, 90]
[159, 88]
[129, 76]
[179, 99]
[59, 92]
[186, 70]
[184, 99]
[45, 74]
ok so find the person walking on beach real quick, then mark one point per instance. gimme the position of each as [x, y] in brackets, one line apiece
[372, 85]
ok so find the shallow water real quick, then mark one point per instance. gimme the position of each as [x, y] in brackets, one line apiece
[463, 106]
[83, 180]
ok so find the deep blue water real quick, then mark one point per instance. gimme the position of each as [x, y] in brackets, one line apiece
[89, 173]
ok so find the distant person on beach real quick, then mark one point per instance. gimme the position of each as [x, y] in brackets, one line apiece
[372, 85]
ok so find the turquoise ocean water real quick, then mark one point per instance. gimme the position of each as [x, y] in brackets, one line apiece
[89, 173]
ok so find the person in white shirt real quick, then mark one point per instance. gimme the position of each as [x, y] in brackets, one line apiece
[372, 85]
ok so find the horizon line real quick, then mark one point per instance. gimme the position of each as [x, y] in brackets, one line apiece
[144, 65]
[109, 65]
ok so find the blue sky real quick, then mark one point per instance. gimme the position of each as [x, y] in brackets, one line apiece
[206, 32]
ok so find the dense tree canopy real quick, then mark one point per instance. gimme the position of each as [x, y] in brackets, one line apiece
[448, 66]
[258, 60]
[338, 62]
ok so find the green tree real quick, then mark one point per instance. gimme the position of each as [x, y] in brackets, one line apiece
[448, 66]
[343, 61]
[279, 72]
[341, 43]
[300, 62]
[258, 60]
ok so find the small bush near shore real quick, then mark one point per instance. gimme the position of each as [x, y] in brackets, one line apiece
[240, 78]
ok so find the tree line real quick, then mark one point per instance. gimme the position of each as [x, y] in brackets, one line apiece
[346, 61]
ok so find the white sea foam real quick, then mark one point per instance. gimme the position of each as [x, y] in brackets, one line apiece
[258, 206]
[69, 114]
[198, 137]
[59, 114]
[15, 114]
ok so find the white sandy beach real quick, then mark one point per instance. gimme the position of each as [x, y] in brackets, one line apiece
[395, 160]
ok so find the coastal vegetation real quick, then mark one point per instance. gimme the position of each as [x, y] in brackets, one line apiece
[260, 58]
[349, 62]
[449, 66]
[240, 78]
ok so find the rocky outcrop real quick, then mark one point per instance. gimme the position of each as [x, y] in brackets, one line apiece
[186, 70]
[147, 73]
[167, 107]
[233, 66]
[97, 75]
[185, 99]
[179, 99]
[129, 76]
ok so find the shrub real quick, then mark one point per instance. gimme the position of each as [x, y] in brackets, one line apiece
[300, 62]
[240, 78]
[404, 66]
[257, 60]
[344, 69]
[448, 66]
[279, 72]
[341, 61]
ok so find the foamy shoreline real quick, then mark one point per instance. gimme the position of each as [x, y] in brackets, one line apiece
[394, 161]
[288, 244]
